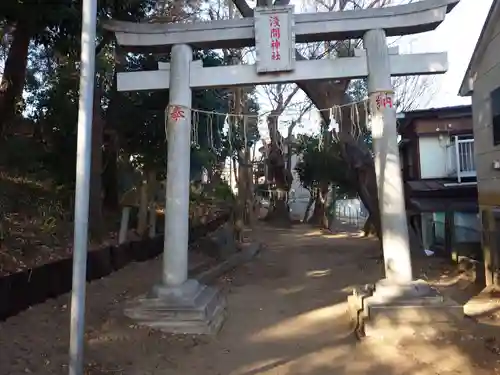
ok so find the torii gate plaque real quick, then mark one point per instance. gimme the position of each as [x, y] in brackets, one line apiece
[182, 305]
[274, 39]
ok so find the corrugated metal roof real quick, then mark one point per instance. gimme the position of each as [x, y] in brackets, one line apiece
[427, 185]
[443, 204]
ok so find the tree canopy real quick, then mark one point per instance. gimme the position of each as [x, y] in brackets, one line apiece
[47, 75]
[322, 164]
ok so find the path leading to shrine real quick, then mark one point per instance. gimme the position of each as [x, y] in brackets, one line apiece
[287, 316]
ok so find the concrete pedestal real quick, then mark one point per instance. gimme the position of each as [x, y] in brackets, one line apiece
[395, 312]
[191, 308]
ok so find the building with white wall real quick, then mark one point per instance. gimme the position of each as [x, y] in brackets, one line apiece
[438, 166]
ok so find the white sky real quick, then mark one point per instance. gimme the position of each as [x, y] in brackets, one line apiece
[457, 36]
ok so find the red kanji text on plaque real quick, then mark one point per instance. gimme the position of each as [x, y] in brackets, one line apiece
[275, 35]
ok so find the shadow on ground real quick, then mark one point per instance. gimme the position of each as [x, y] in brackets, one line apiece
[287, 316]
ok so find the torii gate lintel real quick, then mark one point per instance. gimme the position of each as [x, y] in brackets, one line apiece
[243, 75]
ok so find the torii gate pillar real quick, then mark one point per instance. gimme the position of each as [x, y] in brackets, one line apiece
[175, 257]
[395, 239]
[179, 304]
[396, 306]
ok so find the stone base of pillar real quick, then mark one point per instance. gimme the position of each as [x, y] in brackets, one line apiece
[395, 312]
[191, 308]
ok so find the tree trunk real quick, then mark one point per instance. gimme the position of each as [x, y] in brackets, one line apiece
[249, 190]
[110, 172]
[241, 183]
[235, 170]
[319, 216]
[309, 205]
[96, 225]
[14, 74]
[278, 208]
[110, 151]
[369, 228]
[289, 155]
[152, 190]
[210, 173]
[216, 177]
[278, 213]
[95, 204]
[142, 220]
[332, 213]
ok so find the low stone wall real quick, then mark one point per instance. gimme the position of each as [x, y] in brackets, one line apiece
[21, 290]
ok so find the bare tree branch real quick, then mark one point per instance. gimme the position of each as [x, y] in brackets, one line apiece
[287, 101]
[413, 91]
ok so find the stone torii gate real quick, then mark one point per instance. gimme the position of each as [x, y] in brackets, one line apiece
[182, 305]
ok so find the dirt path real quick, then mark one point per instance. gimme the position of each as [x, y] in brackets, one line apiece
[287, 316]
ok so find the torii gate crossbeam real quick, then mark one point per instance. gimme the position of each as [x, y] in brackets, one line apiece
[242, 75]
[398, 20]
